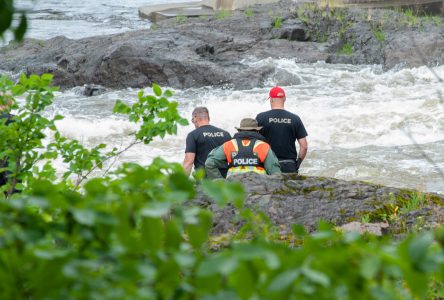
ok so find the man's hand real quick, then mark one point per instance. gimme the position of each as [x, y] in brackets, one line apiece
[298, 163]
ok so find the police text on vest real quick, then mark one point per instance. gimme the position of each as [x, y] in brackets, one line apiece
[245, 161]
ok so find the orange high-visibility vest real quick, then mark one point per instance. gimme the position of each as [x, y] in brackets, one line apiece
[243, 156]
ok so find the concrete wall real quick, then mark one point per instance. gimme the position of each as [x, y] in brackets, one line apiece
[234, 4]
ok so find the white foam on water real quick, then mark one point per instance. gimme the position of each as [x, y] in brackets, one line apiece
[92, 131]
[363, 123]
[360, 120]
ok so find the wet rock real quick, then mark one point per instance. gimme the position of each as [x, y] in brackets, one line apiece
[209, 52]
[293, 30]
[205, 50]
[372, 228]
[91, 90]
[291, 199]
[283, 78]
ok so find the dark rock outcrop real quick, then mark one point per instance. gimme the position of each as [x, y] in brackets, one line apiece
[291, 199]
[211, 52]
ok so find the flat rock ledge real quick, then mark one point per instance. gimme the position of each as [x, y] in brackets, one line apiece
[289, 199]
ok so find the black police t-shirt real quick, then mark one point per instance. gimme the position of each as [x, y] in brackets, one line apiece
[204, 139]
[281, 128]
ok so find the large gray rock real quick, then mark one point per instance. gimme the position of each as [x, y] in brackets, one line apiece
[210, 52]
[291, 199]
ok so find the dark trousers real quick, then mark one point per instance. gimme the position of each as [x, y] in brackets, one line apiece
[289, 166]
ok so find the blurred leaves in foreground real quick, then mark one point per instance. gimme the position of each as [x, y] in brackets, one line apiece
[133, 233]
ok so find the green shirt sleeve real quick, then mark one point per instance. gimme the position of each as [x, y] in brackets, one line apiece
[271, 163]
[216, 159]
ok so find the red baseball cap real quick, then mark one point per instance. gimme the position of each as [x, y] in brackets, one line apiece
[277, 92]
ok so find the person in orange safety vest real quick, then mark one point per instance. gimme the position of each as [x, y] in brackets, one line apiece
[246, 152]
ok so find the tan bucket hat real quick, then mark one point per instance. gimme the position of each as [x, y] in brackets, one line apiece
[248, 124]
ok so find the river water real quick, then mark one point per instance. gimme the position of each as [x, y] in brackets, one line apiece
[363, 123]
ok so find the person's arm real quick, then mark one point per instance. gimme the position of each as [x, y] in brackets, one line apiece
[216, 159]
[190, 153]
[271, 163]
[303, 147]
[188, 162]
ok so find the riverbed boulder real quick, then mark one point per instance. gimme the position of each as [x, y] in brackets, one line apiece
[289, 199]
[218, 50]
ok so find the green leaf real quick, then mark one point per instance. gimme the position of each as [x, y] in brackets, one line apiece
[84, 216]
[417, 282]
[198, 233]
[183, 122]
[47, 77]
[152, 233]
[370, 267]
[299, 230]
[181, 182]
[19, 32]
[418, 247]
[157, 90]
[173, 237]
[49, 254]
[121, 107]
[156, 209]
[6, 13]
[316, 276]
[185, 260]
[244, 281]
[96, 186]
[223, 192]
[168, 93]
[218, 264]
[283, 280]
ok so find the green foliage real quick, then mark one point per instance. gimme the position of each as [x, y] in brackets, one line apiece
[222, 14]
[30, 159]
[277, 23]
[249, 12]
[7, 14]
[379, 34]
[435, 20]
[203, 17]
[365, 219]
[134, 237]
[153, 27]
[136, 234]
[346, 49]
[416, 201]
[410, 17]
[155, 115]
[334, 21]
[181, 19]
[21, 141]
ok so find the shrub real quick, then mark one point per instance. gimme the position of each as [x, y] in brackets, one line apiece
[135, 234]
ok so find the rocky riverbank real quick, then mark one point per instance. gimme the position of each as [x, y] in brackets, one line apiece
[290, 199]
[211, 51]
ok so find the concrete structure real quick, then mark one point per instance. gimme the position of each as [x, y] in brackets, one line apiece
[209, 7]
[194, 9]
[234, 4]
[160, 12]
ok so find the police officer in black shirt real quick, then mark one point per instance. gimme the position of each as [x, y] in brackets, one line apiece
[202, 140]
[282, 129]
